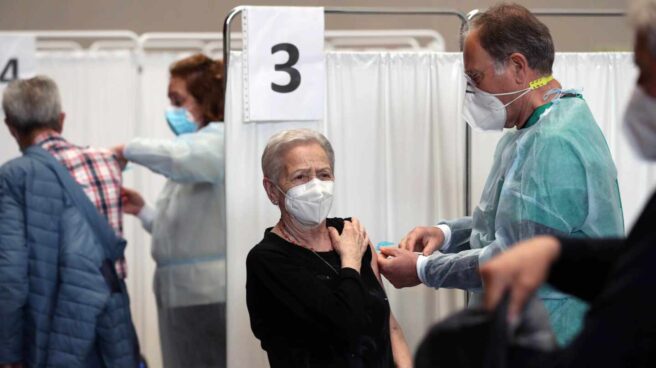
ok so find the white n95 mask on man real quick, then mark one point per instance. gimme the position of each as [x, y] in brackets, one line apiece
[640, 123]
[484, 111]
[310, 203]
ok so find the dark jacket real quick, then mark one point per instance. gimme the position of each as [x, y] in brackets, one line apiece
[618, 278]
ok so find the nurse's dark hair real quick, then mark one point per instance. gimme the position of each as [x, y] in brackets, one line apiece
[204, 79]
[508, 28]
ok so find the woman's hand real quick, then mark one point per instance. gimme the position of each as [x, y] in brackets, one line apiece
[351, 244]
[132, 201]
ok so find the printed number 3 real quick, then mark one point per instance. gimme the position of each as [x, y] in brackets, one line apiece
[294, 75]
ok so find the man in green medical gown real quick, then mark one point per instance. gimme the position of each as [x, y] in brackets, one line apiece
[552, 172]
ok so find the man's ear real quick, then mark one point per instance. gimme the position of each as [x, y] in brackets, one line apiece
[62, 117]
[519, 66]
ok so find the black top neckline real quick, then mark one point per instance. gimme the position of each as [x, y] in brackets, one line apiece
[337, 223]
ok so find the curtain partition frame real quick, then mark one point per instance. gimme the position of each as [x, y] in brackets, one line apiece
[464, 22]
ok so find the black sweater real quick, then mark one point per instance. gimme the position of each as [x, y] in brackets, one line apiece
[307, 315]
[618, 278]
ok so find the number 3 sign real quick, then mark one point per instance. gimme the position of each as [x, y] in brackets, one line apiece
[284, 74]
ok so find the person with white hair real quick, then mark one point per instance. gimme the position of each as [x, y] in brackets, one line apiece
[615, 275]
[314, 294]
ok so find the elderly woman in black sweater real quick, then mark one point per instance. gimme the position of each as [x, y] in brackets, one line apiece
[313, 290]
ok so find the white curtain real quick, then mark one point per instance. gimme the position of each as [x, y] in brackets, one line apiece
[392, 119]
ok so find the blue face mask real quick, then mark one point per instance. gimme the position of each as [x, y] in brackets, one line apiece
[179, 122]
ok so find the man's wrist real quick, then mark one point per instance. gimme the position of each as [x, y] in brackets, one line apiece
[146, 213]
[446, 233]
[421, 265]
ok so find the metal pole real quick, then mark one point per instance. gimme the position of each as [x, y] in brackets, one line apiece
[560, 12]
[226, 43]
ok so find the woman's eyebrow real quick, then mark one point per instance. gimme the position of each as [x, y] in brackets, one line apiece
[302, 170]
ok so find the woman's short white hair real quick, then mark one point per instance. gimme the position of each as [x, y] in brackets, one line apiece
[32, 103]
[643, 17]
[279, 143]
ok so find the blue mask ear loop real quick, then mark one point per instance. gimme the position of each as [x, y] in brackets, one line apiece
[553, 91]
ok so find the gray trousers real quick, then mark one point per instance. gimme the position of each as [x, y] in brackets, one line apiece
[193, 337]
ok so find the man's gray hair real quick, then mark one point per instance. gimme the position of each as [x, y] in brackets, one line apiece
[279, 143]
[643, 17]
[32, 103]
[508, 28]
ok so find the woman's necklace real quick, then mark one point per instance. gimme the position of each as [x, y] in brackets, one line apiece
[290, 239]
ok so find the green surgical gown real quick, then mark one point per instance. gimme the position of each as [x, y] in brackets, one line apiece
[554, 176]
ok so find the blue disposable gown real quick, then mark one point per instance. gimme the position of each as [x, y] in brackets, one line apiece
[554, 176]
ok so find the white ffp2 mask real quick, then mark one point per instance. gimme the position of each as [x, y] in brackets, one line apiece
[484, 111]
[310, 203]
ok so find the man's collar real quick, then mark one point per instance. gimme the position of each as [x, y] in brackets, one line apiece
[44, 136]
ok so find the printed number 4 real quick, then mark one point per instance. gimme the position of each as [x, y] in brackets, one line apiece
[294, 75]
[10, 71]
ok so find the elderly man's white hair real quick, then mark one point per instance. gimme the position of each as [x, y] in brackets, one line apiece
[32, 103]
[643, 16]
[282, 141]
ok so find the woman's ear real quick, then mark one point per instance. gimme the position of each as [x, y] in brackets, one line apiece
[271, 190]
